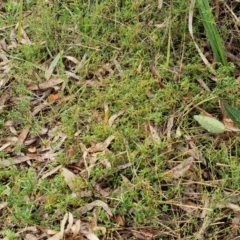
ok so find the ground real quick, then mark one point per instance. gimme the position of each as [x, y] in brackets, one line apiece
[97, 132]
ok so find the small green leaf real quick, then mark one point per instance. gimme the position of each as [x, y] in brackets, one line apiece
[210, 124]
[233, 113]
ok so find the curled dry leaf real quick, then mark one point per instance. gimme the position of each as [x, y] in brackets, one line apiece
[59, 235]
[72, 59]
[74, 228]
[70, 222]
[97, 203]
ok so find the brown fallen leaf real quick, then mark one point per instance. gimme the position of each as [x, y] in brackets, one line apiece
[13, 161]
[236, 221]
[4, 59]
[23, 135]
[4, 45]
[29, 233]
[71, 229]
[229, 125]
[154, 71]
[59, 235]
[99, 147]
[229, 205]
[96, 203]
[70, 152]
[4, 146]
[114, 117]
[3, 205]
[72, 75]
[53, 97]
[154, 134]
[91, 236]
[101, 191]
[69, 178]
[3, 98]
[39, 108]
[119, 220]
[3, 81]
[30, 236]
[72, 59]
[170, 126]
[47, 84]
[75, 183]
[118, 67]
[139, 68]
[24, 38]
[206, 201]
[203, 84]
[32, 149]
[142, 235]
[181, 168]
[51, 172]
[189, 206]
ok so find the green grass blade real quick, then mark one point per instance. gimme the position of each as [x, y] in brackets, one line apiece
[210, 27]
[233, 113]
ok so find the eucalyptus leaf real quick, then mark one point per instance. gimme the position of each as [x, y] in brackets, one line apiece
[210, 124]
[233, 113]
[52, 66]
